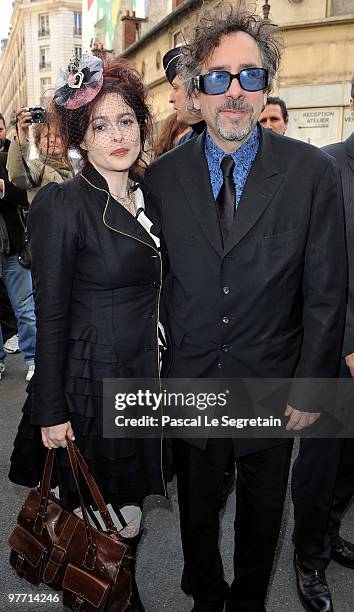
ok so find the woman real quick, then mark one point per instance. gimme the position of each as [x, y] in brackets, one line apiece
[51, 165]
[97, 275]
[170, 133]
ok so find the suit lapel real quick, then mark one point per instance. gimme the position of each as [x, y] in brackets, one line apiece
[195, 181]
[349, 146]
[262, 184]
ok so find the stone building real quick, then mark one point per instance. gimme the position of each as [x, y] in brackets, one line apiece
[44, 35]
[316, 70]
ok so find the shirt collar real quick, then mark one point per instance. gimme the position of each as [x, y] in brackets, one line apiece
[248, 149]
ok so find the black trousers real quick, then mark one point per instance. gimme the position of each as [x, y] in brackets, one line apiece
[322, 487]
[260, 492]
[8, 320]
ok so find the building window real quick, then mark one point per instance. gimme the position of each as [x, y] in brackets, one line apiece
[43, 25]
[45, 84]
[78, 52]
[77, 24]
[177, 39]
[342, 7]
[158, 60]
[44, 63]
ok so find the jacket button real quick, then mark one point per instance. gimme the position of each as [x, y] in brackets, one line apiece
[225, 348]
[226, 320]
[156, 284]
[226, 290]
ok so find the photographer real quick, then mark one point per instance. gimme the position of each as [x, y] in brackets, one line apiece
[51, 165]
[16, 279]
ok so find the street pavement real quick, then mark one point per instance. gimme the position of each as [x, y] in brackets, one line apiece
[160, 555]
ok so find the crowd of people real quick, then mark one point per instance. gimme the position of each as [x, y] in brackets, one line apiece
[233, 251]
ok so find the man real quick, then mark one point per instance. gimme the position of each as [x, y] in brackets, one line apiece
[178, 96]
[275, 115]
[17, 280]
[7, 316]
[321, 499]
[246, 217]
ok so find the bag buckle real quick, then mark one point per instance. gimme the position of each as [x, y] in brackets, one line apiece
[57, 559]
[78, 604]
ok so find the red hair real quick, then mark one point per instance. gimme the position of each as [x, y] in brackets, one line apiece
[119, 78]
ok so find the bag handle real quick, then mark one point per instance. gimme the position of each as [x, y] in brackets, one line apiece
[76, 458]
[44, 493]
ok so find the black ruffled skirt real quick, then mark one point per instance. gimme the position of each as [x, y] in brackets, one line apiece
[126, 470]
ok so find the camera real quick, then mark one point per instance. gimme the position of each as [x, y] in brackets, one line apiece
[38, 114]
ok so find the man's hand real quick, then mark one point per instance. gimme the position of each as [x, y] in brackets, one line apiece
[55, 436]
[24, 120]
[2, 185]
[298, 419]
[349, 360]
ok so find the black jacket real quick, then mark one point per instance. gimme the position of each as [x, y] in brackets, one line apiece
[343, 152]
[271, 304]
[97, 276]
[14, 198]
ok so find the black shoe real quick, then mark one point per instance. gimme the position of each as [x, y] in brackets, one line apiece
[313, 589]
[343, 552]
[227, 487]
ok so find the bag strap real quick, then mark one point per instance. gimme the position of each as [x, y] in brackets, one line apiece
[93, 488]
[44, 493]
[75, 458]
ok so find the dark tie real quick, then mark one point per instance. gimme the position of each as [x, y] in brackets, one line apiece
[227, 196]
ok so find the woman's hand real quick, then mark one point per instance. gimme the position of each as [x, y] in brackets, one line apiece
[55, 436]
[24, 120]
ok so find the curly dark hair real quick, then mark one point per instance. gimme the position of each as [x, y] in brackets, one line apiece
[222, 20]
[120, 78]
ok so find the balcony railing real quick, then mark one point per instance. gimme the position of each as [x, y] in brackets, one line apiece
[43, 32]
[44, 65]
[77, 31]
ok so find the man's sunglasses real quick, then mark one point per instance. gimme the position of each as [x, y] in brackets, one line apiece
[219, 81]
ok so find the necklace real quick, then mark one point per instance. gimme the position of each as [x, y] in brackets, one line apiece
[128, 201]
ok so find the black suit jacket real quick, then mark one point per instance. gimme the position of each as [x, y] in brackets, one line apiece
[14, 197]
[271, 303]
[343, 152]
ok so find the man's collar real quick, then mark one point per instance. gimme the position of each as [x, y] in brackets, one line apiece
[250, 146]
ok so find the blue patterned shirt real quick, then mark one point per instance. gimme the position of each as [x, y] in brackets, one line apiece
[243, 158]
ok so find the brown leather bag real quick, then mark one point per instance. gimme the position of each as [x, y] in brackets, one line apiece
[54, 546]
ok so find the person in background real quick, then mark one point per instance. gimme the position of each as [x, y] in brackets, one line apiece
[16, 279]
[51, 165]
[178, 96]
[321, 500]
[170, 133]
[8, 319]
[275, 115]
[4, 142]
